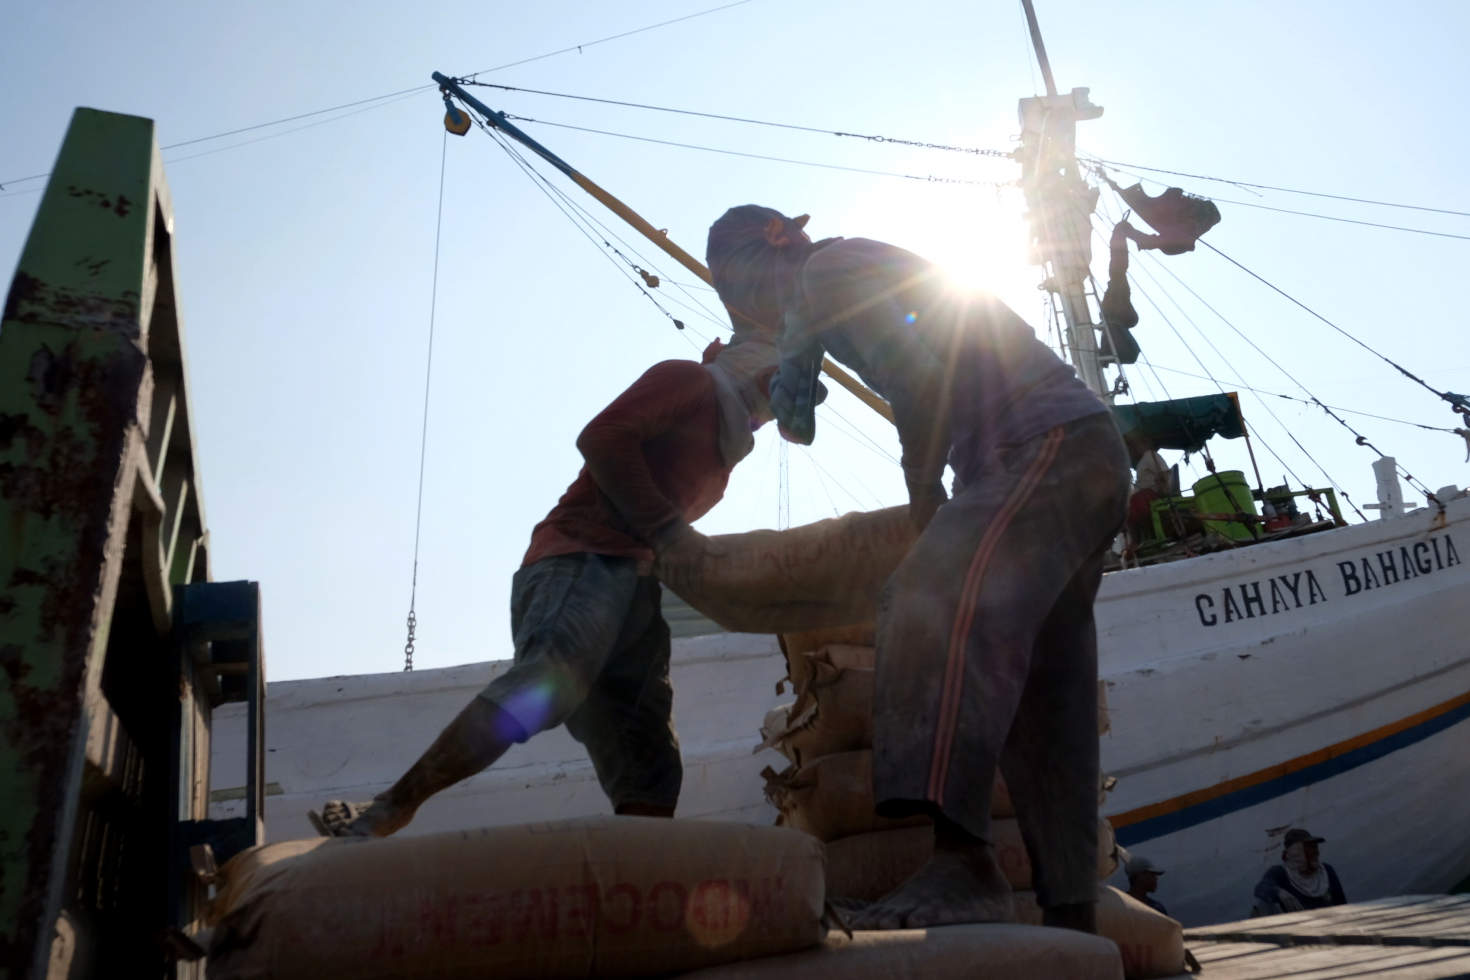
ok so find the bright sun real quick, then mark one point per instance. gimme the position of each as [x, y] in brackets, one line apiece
[986, 249]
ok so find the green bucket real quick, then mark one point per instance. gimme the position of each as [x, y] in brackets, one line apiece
[1226, 492]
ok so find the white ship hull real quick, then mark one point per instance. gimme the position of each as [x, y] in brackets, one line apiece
[1276, 685]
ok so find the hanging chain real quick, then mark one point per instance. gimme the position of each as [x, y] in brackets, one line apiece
[408, 647]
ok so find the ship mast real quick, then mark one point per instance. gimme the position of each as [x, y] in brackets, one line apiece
[1060, 204]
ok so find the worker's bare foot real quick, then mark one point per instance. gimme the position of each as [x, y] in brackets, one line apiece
[377, 818]
[955, 886]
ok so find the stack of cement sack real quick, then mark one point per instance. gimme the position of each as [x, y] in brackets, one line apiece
[602, 897]
[827, 791]
[612, 896]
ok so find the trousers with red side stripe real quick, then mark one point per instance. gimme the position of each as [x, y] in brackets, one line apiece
[987, 652]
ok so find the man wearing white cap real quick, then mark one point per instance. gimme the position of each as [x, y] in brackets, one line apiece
[1143, 878]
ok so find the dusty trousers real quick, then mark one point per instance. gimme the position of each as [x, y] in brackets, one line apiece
[987, 652]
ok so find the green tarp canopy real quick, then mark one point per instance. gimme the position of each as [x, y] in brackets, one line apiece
[1182, 423]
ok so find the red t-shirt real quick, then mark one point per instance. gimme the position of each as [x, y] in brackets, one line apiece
[657, 445]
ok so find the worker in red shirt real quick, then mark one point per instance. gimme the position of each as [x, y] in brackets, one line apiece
[591, 645]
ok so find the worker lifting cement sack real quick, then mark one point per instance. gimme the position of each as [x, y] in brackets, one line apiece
[817, 575]
[1151, 943]
[611, 896]
[992, 951]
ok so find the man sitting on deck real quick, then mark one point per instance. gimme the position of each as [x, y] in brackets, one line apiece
[1301, 881]
[986, 649]
[591, 645]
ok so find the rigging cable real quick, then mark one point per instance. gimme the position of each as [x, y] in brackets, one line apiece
[1341, 488]
[1458, 402]
[612, 37]
[1307, 401]
[1358, 437]
[1305, 214]
[1216, 382]
[544, 186]
[931, 179]
[1269, 187]
[820, 130]
[424, 432]
[567, 205]
[383, 99]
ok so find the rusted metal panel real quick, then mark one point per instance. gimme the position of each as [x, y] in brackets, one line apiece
[74, 400]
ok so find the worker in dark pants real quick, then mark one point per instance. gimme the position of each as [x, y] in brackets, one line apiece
[591, 644]
[986, 648]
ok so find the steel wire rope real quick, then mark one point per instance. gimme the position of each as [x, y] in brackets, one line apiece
[1221, 387]
[1309, 214]
[1220, 354]
[820, 130]
[1341, 488]
[1358, 436]
[418, 520]
[1457, 401]
[760, 156]
[1269, 187]
[612, 37]
[415, 89]
[695, 305]
[1215, 381]
[811, 458]
[544, 185]
[1309, 402]
[855, 432]
[386, 100]
[552, 192]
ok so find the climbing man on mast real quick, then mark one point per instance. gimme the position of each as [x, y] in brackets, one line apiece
[986, 648]
[591, 644]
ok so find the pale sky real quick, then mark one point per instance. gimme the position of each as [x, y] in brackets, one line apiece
[305, 259]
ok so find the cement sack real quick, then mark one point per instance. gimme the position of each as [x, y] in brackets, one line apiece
[831, 798]
[833, 711]
[869, 866]
[809, 577]
[995, 951]
[1151, 943]
[609, 896]
[862, 634]
[822, 665]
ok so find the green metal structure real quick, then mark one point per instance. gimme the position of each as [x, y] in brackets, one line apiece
[114, 645]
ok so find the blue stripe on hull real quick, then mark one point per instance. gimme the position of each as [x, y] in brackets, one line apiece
[1169, 823]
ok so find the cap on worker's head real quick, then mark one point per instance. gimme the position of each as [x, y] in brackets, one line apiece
[1300, 835]
[740, 226]
[1139, 865]
[752, 278]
